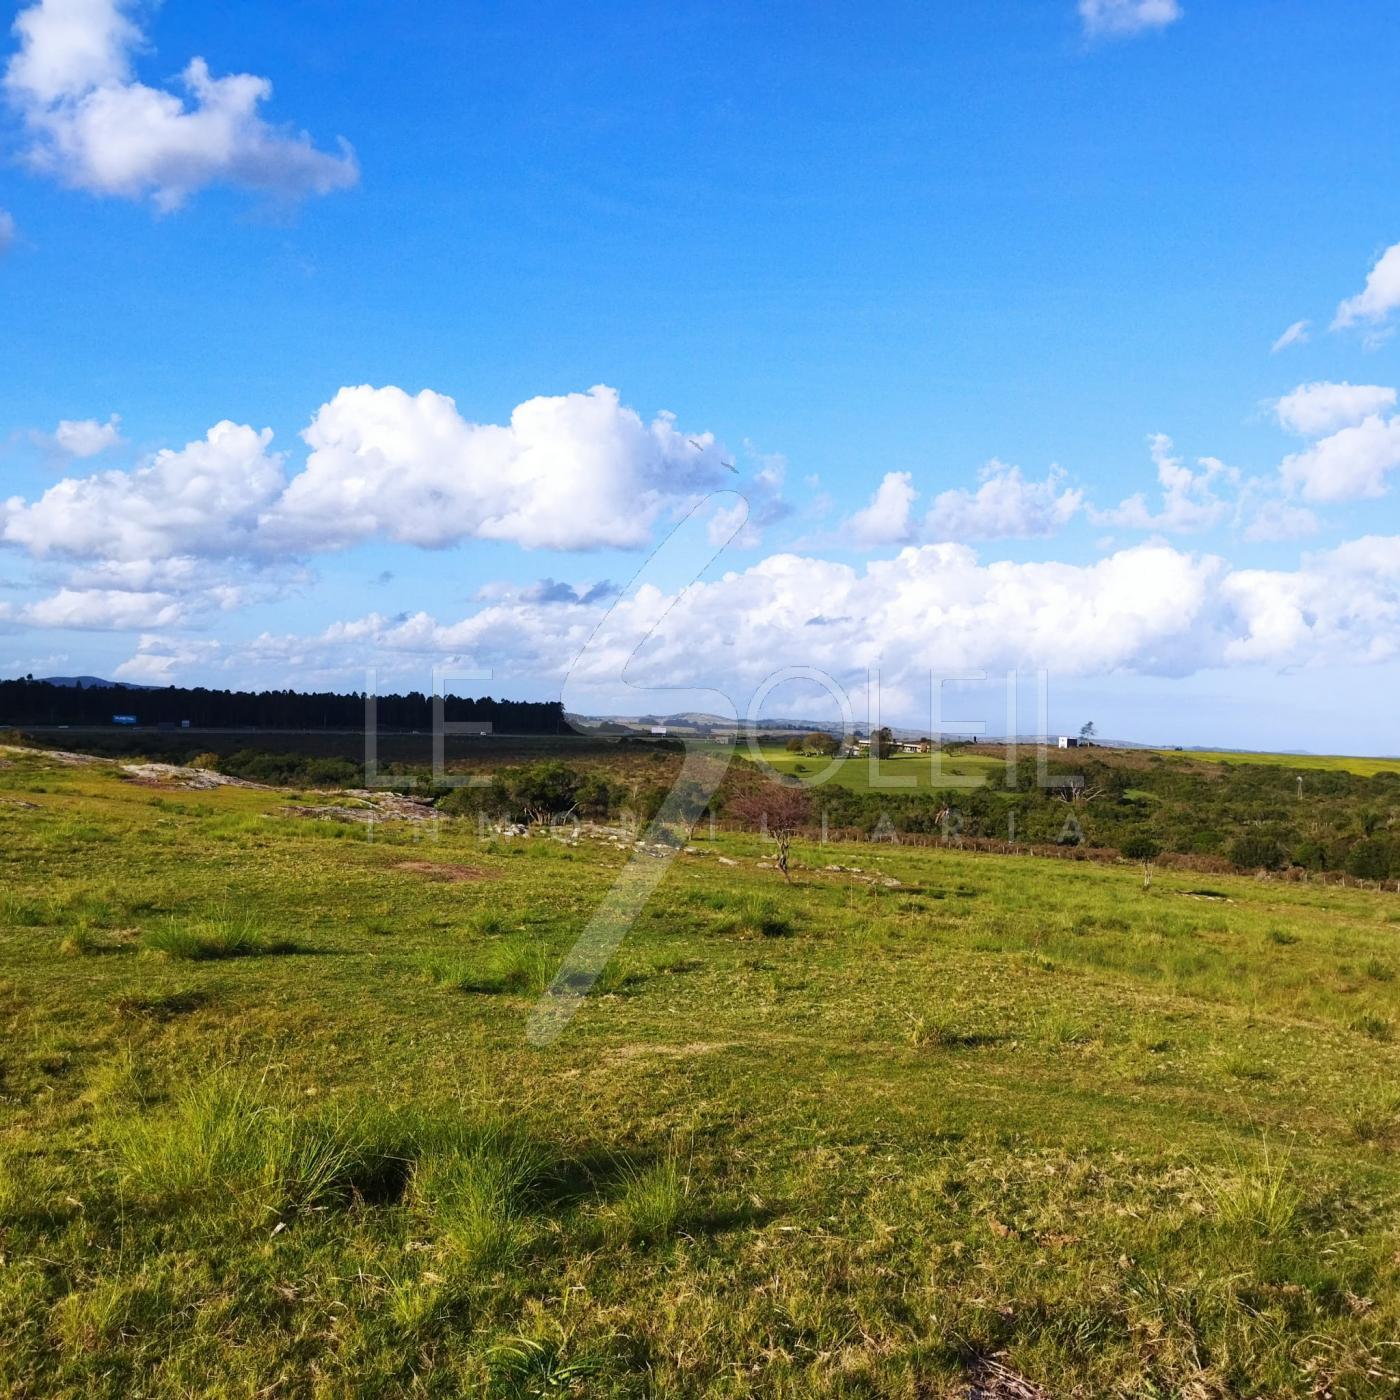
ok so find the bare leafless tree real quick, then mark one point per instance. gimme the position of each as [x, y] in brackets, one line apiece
[1076, 791]
[779, 811]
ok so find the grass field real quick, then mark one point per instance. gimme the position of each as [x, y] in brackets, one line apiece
[907, 770]
[1302, 762]
[976, 768]
[269, 1124]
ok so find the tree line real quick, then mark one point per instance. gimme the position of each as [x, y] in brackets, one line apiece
[27, 701]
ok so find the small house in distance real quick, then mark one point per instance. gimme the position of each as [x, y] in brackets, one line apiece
[1068, 741]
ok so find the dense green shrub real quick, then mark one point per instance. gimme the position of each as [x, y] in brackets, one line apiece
[1142, 848]
[1311, 855]
[596, 796]
[1371, 859]
[291, 769]
[1256, 851]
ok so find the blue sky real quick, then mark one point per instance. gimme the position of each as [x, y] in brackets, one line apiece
[845, 244]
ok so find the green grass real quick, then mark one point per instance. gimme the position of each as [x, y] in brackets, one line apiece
[757, 915]
[221, 1140]
[1301, 762]
[207, 940]
[516, 966]
[904, 772]
[838, 1138]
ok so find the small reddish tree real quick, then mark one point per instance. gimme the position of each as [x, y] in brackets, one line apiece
[777, 809]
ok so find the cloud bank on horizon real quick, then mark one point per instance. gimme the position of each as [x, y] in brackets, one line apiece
[209, 527]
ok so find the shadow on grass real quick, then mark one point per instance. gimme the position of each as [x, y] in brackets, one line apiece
[163, 1006]
[478, 1178]
[931, 1032]
[212, 942]
[84, 943]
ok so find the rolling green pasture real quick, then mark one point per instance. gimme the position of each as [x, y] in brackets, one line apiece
[269, 1124]
[909, 771]
[1303, 762]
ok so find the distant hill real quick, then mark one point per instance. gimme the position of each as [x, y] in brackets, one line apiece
[92, 683]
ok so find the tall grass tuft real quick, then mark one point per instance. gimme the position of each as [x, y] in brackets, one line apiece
[477, 1184]
[123, 1080]
[213, 939]
[757, 914]
[223, 1136]
[82, 943]
[1060, 1029]
[539, 1366]
[654, 1203]
[933, 1030]
[1377, 1027]
[20, 911]
[1261, 1199]
[519, 966]
[1240, 1065]
[1377, 1119]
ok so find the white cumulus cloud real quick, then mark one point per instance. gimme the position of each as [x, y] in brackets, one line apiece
[204, 499]
[1351, 464]
[1189, 498]
[1124, 17]
[886, 520]
[103, 610]
[571, 471]
[1149, 609]
[86, 437]
[1380, 296]
[930, 607]
[1004, 506]
[1312, 410]
[1275, 520]
[93, 126]
[160, 660]
[1340, 606]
